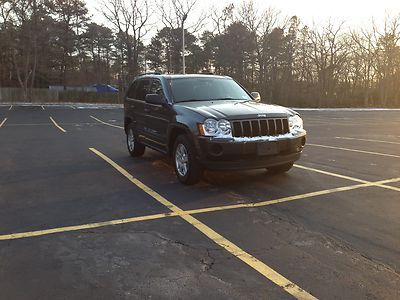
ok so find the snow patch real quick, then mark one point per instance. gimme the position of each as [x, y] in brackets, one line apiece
[291, 135]
[275, 138]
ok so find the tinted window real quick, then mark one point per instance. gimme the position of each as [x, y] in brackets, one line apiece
[132, 90]
[143, 89]
[156, 88]
[203, 89]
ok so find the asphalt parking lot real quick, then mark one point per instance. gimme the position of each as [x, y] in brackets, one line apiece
[81, 219]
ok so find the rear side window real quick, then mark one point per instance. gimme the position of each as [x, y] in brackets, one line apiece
[143, 89]
[156, 88]
[132, 90]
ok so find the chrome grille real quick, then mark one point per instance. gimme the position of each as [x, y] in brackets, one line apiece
[260, 127]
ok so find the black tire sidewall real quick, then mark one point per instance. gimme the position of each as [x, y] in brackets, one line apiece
[138, 148]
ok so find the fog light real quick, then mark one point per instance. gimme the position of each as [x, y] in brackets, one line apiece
[215, 150]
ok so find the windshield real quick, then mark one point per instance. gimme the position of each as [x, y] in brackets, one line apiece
[204, 89]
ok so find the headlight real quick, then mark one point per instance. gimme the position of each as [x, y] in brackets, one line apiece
[212, 127]
[295, 123]
[224, 127]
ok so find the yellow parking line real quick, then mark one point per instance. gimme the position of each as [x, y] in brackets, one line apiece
[292, 198]
[58, 126]
[29, 234]
[200, 210]
[250, 260]
[366, 140]
[105, 123]
[2, 123]
[378, 183]
[354, 150]
[247, 258]
[11, 107]
[22, 235]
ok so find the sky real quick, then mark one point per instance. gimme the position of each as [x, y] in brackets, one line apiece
[355, 13]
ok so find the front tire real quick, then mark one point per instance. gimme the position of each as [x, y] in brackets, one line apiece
[187, 168]
[135, 148]
[280, 168]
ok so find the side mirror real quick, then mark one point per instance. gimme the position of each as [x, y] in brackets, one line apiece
[154, 99]
[256, 96]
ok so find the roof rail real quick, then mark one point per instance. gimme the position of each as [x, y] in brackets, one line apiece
[150, 73]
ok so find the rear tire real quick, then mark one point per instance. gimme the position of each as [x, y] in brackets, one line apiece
[135, 148]
[280, 168]
[187, 168]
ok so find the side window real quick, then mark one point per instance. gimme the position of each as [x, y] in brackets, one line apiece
[132, 90]
[156, 88]
[143, 89]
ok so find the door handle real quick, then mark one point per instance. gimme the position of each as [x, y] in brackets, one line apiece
[147, 110]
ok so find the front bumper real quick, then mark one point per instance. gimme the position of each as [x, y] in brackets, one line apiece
[221, 154]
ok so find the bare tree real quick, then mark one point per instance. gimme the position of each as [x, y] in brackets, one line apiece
[363, 49]
[130, 20]
[174, 12]
[261, 25]
[222, 19]
[328, 54]
[387, 55]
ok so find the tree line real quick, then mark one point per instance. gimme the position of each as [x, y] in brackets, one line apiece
[56, 42]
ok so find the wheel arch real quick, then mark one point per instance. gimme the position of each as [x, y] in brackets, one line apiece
[174, 132]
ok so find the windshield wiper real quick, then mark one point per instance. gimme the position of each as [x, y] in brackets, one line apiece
[213, 99]
[228, 98]
[241, 100]
[191, 100]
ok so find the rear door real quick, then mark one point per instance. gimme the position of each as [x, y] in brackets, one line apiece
[135, 102]
[157, 118]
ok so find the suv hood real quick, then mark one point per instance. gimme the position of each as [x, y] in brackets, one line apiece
[231, 109]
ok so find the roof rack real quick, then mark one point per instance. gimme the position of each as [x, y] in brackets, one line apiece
[150, 73]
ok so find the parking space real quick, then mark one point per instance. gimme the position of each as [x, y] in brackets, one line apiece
[47, 173]
[328, 229]
[161, 259]
[358, 165]
[298, 251]
[358, 144]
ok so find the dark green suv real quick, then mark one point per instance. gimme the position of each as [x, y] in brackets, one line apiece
[212, 122]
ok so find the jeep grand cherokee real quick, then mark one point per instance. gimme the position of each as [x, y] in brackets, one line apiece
[212, 122]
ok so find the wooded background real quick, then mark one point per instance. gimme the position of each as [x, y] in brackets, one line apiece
[56, 42]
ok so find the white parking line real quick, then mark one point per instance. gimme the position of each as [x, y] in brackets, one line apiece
[11, 107]
[105, 123]
[366, 140]
[2, 123]
[58, 126]
[354, 150]
[379, 184]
